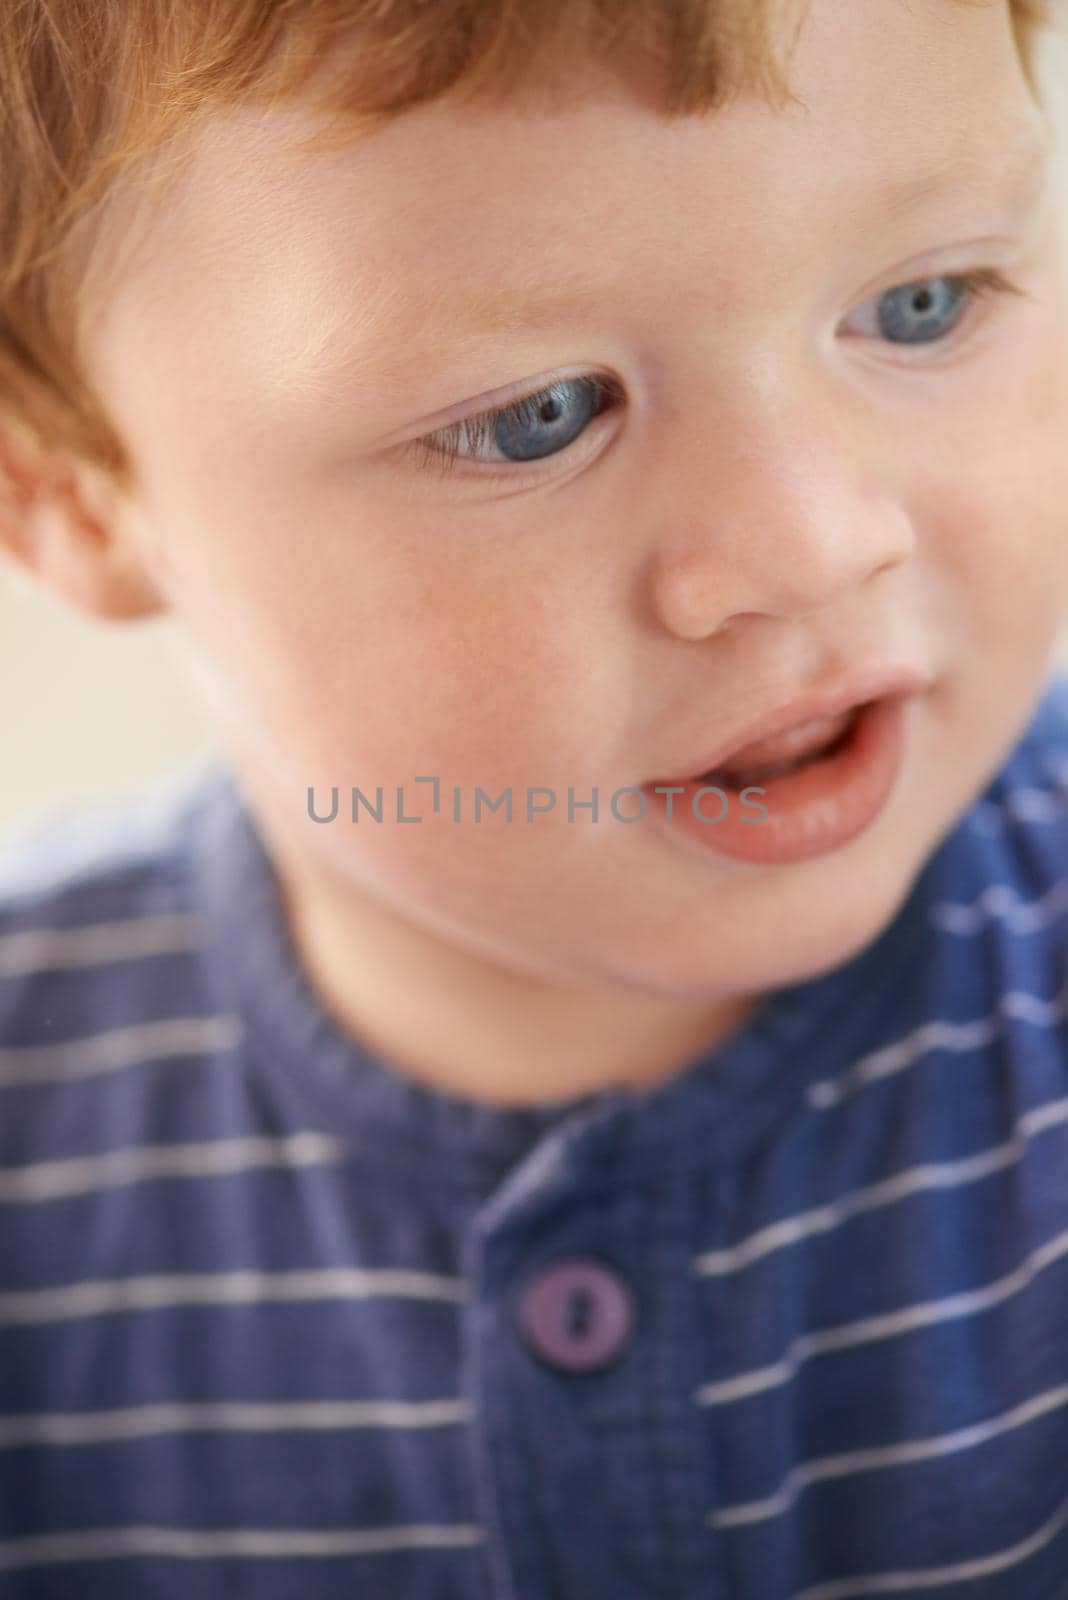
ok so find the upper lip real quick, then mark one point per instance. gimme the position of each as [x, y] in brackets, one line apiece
[872, 683]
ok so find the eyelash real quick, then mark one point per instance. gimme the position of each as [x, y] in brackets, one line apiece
[440, 451]
[479, 430]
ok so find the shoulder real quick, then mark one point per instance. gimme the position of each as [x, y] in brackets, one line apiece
[80, 850]
[87, 897]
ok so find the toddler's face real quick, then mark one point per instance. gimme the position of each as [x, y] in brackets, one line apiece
[792, 472]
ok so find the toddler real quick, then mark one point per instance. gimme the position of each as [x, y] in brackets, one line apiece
[568, 1100]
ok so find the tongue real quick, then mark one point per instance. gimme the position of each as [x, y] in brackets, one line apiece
[790, 746]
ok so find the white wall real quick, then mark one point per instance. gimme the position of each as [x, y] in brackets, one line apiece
[87, 709]
[90, 709]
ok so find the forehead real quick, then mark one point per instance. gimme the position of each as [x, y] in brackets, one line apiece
[876, 82]
[308, 255]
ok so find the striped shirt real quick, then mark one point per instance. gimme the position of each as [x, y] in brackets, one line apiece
[277, 1322]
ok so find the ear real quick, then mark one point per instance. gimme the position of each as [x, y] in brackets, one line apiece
[65, 522]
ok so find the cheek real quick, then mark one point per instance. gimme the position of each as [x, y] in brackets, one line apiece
[391, 663]
[997, 524]
[485, 681]
[998, 551]
[1015, 538]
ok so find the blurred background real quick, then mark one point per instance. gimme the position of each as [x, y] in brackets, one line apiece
[91, 710]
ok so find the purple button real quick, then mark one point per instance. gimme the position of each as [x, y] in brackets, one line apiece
[577, 1315]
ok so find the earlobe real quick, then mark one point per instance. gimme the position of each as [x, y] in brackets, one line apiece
[84, 563]
[69, 536]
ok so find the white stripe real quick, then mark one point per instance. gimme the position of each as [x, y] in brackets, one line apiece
[115, 1048]
[755, 1381]
[859, 1587]
[1035, 805]
[913, 1180]
[999, 901]
[887, 1325]
[97, 944]
[102, 1544]
[960, 1037]
[100, 1296]
[903, 1053]
[135, 1422]
[49, 1180]
[820, 1468]
[1023, 805]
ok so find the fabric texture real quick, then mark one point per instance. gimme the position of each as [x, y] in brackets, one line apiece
[269, 1311]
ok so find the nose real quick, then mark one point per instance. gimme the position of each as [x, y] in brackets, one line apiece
[782, 516]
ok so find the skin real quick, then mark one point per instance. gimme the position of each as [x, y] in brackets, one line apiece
[782, 497]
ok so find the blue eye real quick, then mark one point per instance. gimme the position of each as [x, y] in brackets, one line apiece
[929, 310]
[544, 423]
[539, 425]
[918, 313]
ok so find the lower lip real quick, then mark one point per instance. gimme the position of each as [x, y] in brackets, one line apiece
[810, 812]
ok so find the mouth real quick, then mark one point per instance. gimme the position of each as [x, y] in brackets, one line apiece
[801, 732]
[839, 777]
[819, 740]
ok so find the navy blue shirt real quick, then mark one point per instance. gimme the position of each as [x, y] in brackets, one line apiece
[277, 1322]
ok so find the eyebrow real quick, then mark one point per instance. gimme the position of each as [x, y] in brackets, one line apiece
[1015, 170]
[316, 370]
